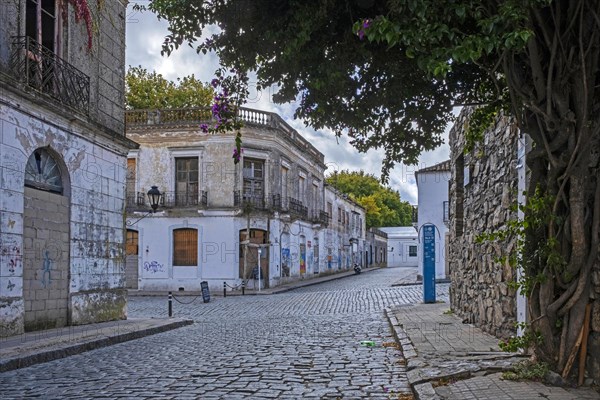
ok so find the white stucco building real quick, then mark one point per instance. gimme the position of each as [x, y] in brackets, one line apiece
[433, 208]
[62, 165]
[218, 220]
[402, 246]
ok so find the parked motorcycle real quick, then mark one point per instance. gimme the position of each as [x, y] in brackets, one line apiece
[356, 269]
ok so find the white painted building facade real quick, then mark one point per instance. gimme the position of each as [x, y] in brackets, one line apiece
[402, 246]
[433, 208]
[62, 166]
[217, 216]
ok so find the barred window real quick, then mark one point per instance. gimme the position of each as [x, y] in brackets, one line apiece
[185, 247]
[412, 251]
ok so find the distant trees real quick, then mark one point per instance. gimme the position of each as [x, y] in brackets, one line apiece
[382, 204]
[149, 90]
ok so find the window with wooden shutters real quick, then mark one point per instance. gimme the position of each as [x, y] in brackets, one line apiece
[185, 247]
[186, 181]
[253, 182]
[131, 243]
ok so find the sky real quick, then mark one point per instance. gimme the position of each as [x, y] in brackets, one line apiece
[145, 35]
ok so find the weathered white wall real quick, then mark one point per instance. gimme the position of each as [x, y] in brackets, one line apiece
[96, 173]
[432, 192]
[398, 252]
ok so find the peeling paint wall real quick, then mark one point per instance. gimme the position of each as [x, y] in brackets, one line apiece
[92, 148]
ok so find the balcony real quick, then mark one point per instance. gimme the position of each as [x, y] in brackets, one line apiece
[297, 209]
[255, 202]
[139, 201]
[42, 70]
[135, 201]
[184, 199]
[320, 217]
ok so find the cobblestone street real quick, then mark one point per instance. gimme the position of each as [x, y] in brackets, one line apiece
[299, 344]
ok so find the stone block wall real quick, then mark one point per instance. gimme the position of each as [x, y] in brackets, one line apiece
[482, 189]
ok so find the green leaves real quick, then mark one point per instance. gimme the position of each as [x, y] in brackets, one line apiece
[149, 90]
[383, 205]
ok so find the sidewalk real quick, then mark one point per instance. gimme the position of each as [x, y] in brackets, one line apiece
[42, 346]
[447, 359]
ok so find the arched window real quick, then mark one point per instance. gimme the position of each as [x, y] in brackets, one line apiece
[42, 172]
[185, 247]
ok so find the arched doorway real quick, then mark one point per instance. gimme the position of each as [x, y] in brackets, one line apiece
[46, 241]
[257, 237]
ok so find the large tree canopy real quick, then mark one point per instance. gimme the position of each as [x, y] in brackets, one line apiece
[383, 205]
[393, 79]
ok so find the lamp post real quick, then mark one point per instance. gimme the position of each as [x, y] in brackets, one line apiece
[154, 196]
[259, 253]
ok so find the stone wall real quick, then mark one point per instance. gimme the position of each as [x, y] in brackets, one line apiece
[482, 189]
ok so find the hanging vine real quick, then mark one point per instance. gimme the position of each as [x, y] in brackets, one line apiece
[82, 12]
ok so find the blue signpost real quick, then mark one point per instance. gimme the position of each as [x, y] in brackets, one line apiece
[429, 263]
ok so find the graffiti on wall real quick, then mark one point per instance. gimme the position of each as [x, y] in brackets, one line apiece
[10, 254]
[153, 267]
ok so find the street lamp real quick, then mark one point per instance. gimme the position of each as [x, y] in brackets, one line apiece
[154, 196]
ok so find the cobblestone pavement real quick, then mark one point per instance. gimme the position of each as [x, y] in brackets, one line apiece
[299, 344]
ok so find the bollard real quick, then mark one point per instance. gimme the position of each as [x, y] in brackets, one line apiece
[224, 289]
[170, 304]
[243, 288]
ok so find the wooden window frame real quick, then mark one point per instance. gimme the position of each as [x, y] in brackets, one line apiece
[185, 249]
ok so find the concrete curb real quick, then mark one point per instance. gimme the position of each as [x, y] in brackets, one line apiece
[62, 351]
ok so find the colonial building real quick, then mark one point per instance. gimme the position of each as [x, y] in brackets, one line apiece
[433, 208]
[62, 164]
[218, 221]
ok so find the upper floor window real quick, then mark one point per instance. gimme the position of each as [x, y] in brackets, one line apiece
[253, 179]
[284, 182]
[130, 177]
[330, 210]
[301, 188]
[186, 181]
[42, 18]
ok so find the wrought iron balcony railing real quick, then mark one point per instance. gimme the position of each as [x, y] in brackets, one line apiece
[184, 199]
[297, 208]
[256, 202]
[169, 200]
[47, 73]
[135, 200]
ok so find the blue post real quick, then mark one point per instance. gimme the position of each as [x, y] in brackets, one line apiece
[429, 263]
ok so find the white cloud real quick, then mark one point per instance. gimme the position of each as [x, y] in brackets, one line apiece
[144, 39]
